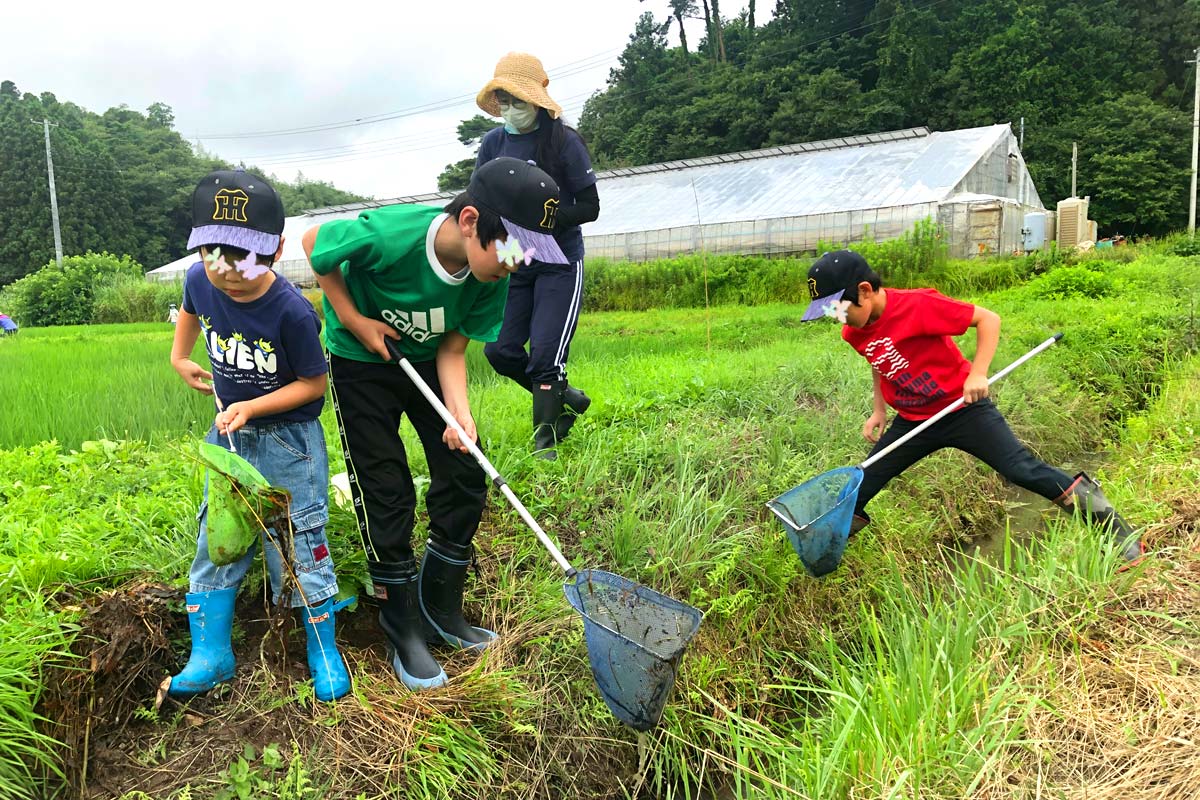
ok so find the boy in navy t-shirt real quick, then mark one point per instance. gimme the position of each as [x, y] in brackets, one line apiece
[268, 379]
[918, 370]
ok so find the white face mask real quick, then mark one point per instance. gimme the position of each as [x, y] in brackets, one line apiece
[519, 120]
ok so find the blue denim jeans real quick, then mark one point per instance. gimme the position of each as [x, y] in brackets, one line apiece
[291, 455]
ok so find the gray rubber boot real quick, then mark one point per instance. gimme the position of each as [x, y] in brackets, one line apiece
[400, 618]
[443, 578]
[1084, 495]
[547, 408]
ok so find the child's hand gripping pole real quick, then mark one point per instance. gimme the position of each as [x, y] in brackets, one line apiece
[955, 405]
[497, 480]
[221, 408]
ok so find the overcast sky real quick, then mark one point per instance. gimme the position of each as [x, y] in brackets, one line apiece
[273, 66]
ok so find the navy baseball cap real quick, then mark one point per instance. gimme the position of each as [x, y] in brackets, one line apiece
[831, 276]
[236, 208]
[526, 200]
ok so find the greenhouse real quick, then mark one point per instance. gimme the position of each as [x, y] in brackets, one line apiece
[781, 200]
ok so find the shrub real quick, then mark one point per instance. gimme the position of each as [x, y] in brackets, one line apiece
[920, 251]
[1077, 281]
[1182, 244]
[129, 299]
[64, 295]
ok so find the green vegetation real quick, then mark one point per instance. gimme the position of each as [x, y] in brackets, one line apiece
[918, 670]
[124, 182]
[76, 383]
[65, 295]
[1111, 75]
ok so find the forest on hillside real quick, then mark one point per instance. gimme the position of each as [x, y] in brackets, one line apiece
[1110, 75]
[123, 179]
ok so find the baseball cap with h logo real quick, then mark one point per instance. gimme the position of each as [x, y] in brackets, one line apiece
[238, 209]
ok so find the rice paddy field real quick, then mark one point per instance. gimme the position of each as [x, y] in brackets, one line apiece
[973, 643]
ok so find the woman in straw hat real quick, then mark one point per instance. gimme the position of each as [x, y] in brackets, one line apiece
[543, 298]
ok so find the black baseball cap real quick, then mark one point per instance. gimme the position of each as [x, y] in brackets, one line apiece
[236, 208]
[831, 276]
[526, 200]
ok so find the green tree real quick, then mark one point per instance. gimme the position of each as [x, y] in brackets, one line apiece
[1135, 158]
[304, 194]
[123, 182]
[456, 176]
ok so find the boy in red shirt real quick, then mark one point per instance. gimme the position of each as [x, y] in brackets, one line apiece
[919, 370]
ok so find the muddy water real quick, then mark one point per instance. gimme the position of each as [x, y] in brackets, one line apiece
[1025, 516]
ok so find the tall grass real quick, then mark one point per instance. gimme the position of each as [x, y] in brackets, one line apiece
[84, 382]
[133, 299]
[900, 675]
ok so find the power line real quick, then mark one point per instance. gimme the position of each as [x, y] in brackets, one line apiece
[396, 149]
[586, 64]
[351, 154]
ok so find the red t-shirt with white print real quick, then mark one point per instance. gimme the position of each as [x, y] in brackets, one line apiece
[910, 346]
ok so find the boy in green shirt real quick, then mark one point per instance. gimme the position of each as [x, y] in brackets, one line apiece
[430, 280]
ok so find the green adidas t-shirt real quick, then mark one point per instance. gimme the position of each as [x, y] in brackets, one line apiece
[387, 260]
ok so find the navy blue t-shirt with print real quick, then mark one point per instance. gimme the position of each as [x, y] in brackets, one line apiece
[260, 346]
[577, 173]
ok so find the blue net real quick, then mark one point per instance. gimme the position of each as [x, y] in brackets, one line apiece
[817, 515]
[635, 640]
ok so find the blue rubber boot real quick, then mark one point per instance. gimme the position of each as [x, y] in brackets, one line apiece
[210, 618]
[330, 678]
[443, 577]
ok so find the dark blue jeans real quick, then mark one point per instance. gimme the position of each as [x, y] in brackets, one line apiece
[542, 309]
[978, 429]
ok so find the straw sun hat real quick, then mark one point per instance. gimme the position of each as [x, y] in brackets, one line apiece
[522, 76]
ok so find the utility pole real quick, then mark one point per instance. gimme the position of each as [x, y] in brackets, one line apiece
[1074, 164]
[58, 251]
[1195, 145]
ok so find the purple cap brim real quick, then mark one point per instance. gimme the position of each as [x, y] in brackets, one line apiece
[264, 244]
[545, 247]
[816, 309]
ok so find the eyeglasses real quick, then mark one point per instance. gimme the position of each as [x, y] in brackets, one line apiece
[508, 101]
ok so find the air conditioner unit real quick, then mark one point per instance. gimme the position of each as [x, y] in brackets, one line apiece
[1072, 221]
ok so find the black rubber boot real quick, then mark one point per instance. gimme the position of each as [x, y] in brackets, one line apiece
[575, 402]
[547, 408]
[443, 576]
[858, 522]
[400, 618]
[1085, 496]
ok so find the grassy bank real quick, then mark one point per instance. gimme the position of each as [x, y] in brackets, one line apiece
[904, 674]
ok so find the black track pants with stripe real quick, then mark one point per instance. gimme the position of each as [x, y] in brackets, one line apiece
[979, 429]
[369, 401]
[543, 310]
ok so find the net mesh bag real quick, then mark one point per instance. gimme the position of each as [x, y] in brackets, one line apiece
[817, 515]
[635, 640]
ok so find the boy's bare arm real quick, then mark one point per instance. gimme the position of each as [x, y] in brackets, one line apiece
[874, 426]
[187, 328]
[370, 332]
[452, 375]
[285, 398]
[987, 335]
